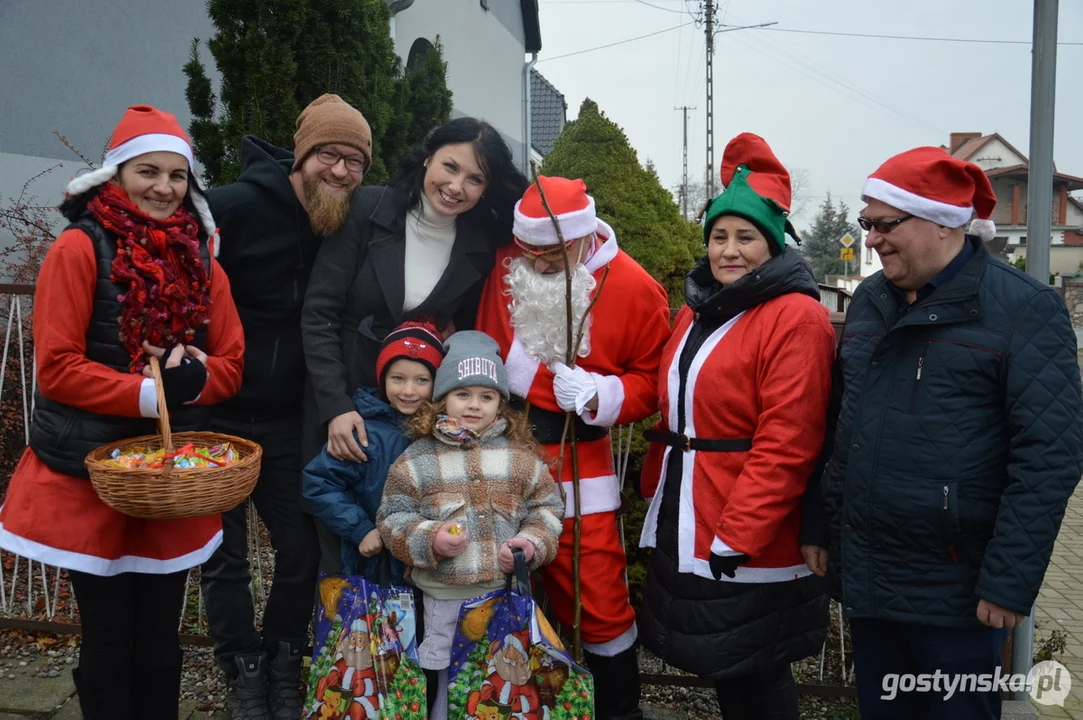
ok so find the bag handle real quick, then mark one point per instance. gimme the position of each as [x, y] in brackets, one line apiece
[521, 575]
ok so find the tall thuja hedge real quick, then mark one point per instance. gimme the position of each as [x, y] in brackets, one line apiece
[276, 56]
[629, 197]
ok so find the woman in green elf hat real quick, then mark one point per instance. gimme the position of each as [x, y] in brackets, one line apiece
[743, 393]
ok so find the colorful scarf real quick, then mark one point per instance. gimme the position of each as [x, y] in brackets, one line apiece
[454, 430]
[158, 261]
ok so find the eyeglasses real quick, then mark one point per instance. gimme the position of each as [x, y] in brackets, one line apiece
[882, 226]
[546, 255]
[330, 158]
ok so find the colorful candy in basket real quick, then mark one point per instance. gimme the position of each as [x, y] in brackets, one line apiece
[186, 457]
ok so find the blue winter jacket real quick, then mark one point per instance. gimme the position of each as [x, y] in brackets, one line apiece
[345, 495]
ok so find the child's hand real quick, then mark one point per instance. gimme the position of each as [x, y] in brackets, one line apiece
[506, 561]
[450, 544]
[371, 544]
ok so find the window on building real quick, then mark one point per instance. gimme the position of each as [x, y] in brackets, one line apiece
[417, 51]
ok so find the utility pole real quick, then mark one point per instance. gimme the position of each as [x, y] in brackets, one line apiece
[708, 180]
[1043, 84]
[684, 175]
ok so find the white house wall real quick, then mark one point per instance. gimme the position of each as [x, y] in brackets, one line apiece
[484, 54]
[996, 154]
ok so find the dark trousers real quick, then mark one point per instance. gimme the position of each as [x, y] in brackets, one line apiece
[767, 695]
[884, 647]
[226, 576]
[130, 659]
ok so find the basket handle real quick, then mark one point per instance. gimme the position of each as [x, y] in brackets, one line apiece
[163, 411]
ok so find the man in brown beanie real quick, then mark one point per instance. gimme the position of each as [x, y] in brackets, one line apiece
[271, 223]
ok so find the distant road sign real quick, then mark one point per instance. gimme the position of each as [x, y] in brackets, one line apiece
[846, 253]
[847, 240]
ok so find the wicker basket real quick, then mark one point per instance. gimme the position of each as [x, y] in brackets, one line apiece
[171, 492]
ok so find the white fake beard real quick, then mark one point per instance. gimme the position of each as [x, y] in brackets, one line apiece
[538, 313]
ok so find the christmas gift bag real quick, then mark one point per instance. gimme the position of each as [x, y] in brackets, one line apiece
[364, 658]
[507, 662]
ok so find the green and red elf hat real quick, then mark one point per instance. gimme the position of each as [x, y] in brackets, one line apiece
[757, 188]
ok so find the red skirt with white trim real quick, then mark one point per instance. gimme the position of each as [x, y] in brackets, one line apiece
[59, 520]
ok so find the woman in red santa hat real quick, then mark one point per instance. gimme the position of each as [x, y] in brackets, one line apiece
[131, 276]
[743, 392]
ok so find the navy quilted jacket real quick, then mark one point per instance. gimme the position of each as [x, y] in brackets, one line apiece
[957, 446]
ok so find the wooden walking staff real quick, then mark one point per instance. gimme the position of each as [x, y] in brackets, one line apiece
[568, 433]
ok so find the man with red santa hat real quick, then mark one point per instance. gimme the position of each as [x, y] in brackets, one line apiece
[957, 447]
[614, 382]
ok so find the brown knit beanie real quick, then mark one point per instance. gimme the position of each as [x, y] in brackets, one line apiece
[330, 119]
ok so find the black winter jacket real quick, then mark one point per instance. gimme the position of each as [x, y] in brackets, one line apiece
[267, 250]
[957, 447]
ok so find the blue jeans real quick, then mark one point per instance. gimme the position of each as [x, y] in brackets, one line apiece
[883, 647]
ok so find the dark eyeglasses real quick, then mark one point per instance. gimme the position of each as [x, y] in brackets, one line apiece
[354, 163]
[882, 226]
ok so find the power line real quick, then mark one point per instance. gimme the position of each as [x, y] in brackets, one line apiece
[658, 7]
[614, 44]
[910, 37]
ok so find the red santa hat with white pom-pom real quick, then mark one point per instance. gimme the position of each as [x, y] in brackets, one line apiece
[929, 183]
[145, 129]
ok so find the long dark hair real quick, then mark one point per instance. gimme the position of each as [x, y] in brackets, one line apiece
[74, 206]
[506, 183]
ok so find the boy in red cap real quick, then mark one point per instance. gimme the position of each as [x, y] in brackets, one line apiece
[614, 383]
[957, 446]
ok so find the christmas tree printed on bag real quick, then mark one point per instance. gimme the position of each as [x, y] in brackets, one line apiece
[576, 698]
[471, 675]
[405, 699]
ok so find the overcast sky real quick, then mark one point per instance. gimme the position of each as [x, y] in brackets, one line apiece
[834, 106]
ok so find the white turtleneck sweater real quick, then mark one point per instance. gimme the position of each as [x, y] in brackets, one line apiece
[429, 238]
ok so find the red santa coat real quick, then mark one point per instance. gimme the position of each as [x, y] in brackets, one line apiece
[361, 683]
[630, 327]
[58, 519]
[764, 375]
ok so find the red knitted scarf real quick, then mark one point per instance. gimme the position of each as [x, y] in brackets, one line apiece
[158, 261]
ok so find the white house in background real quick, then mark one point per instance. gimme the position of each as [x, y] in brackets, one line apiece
[76, 75]
[1007, 170]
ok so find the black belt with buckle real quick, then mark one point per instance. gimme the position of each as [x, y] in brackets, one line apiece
[548, 426]
[685, 443]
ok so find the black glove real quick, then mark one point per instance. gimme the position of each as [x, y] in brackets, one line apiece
[726, 565]
[183, 383]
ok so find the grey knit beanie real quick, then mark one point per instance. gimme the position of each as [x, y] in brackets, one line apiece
[472, 360]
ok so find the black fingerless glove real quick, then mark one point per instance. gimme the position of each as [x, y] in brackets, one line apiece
[183, 383]
[727, 565]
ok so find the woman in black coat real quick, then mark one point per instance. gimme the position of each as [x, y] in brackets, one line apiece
[422, 245]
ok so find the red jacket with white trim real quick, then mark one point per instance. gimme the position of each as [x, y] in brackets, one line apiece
[630, 327]
[766, 376]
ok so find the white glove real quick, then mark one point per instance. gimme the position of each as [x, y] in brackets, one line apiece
[574, 388]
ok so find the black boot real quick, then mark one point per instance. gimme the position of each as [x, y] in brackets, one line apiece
[616, 685]
[246, 695]
[286, 699]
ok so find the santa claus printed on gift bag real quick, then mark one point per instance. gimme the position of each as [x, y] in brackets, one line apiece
[364, 664]
[613, 382]
[509, 687]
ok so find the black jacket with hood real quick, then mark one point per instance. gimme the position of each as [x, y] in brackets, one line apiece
[267, 250]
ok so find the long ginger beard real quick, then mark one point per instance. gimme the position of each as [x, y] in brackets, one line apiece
[327, 211]
[538, 313]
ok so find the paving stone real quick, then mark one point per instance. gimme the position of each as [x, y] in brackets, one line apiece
[70, 711]
[31, 694]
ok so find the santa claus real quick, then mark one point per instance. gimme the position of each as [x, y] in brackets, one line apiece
[509, 688]
[614, 381]
[353, 673]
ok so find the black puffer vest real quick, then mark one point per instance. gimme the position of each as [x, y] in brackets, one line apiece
[62, 435]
